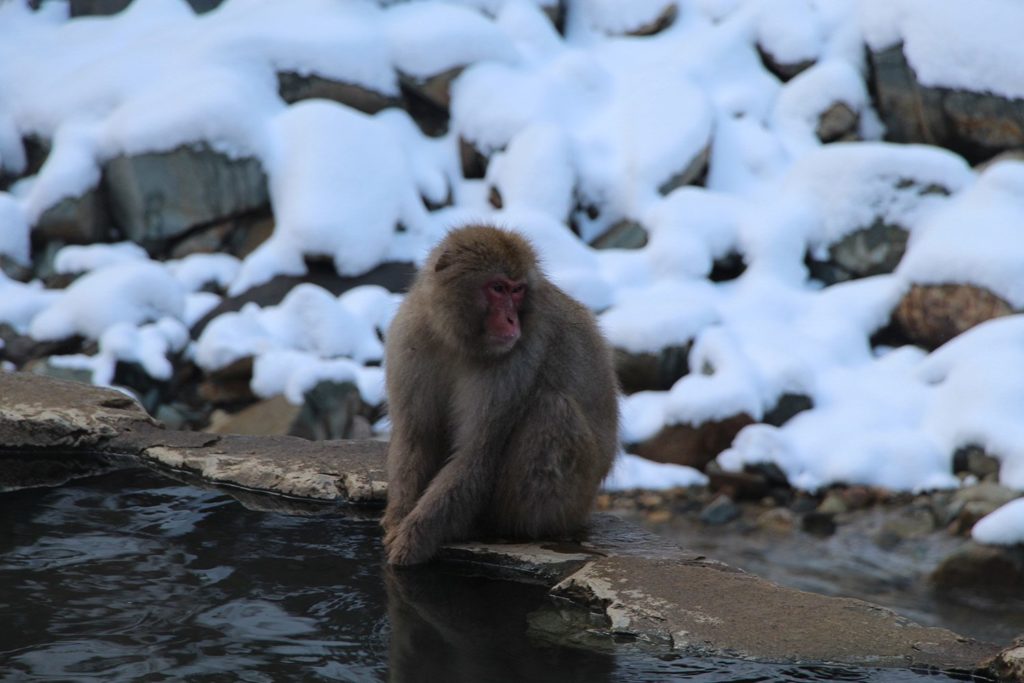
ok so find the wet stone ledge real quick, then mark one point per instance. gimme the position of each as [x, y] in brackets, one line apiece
[615, 583]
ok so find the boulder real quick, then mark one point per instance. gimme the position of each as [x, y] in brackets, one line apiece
[977, 125]
[294, 86]
[931, 315]
[874, 250]
[651, 371]
[76, 220]
[331, 411]
[783, 70]
[838, 123]
[692, 445]
[157, 196]
[626, 234]
[993, 571]
[689, 174]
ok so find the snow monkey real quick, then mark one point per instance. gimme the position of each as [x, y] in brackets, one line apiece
[503, 401]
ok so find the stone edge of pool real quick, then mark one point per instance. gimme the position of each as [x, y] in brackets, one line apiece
[642, 588]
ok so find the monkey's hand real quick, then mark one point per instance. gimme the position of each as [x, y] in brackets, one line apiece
[408, 543]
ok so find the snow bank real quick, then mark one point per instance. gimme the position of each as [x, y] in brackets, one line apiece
[590, 128]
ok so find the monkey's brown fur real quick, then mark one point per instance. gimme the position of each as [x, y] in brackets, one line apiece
[489, 441]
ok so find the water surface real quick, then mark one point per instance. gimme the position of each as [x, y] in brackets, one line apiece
[132, 576]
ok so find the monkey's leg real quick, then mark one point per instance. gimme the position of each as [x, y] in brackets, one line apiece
[549, 474]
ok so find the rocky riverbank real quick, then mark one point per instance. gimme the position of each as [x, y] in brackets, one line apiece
[646, 589]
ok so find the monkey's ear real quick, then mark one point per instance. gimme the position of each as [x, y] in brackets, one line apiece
[443, 261]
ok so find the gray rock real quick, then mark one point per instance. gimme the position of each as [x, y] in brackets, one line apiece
[721, 510]
[157, 196]
[651, 371]
[626, 234]
[786, 408]
[329, 412]
[784, 70]
[992, 571]
[293, 87]
[974, 460]
[818, 523]
[76, 220]
[838, 122]
[41, 418]
[688, 174]
[874, 250]
[979, 125]
[85, 8]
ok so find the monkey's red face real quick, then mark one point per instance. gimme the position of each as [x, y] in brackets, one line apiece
[504, 301]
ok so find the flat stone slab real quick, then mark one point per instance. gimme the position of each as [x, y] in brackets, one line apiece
[44, 422]
[616, 581]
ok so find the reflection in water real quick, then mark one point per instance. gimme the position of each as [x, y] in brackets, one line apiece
[131, 576]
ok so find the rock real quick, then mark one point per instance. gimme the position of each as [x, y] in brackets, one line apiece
[665, 18]
[651, 371]
[238, 236]
[746, 485]
[294, 87]
[14, 270]
[931, 315]
[973, 568]
[777, 521]
[76, 220]
[472, 161]
[84, 8]
[329, 411]
[783, 70]
[427, 99]
[395, 277]
[157, 196]
[786, 408]
[229, 385]
[838, 122]
[728, 267]
[44, 367]
[721, 510]
[274, 416]
[818, 523]
[1008, 665]
[874, 250]
[690, 445]
[42, 419]
[971, 503]
[625, 234]
[676, 602]
[909, 522]
[833, 504]
[974, 460]
[690, 174]
[977, 125]
[857, 497]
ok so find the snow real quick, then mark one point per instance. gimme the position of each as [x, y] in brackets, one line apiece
[971, 46]
[1005, 526]
[587, 130]
[633, 472]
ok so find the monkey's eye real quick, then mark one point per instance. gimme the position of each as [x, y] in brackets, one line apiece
[519, 289]
[498, 288]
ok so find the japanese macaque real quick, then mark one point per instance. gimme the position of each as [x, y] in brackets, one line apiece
[502, 397]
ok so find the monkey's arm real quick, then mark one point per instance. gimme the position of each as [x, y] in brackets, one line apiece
[446, 511]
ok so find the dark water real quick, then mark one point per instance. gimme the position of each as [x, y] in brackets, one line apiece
[131, 576]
